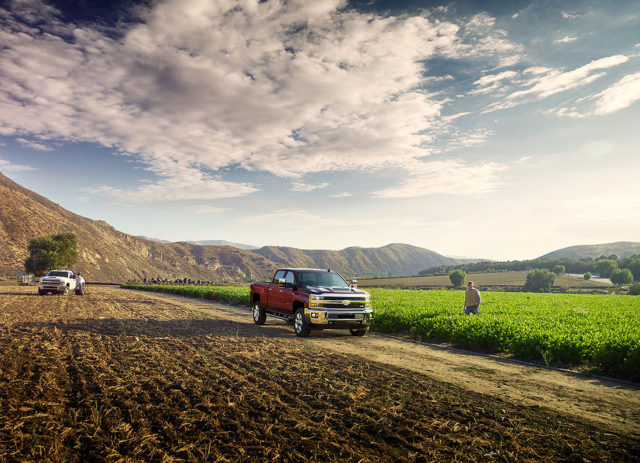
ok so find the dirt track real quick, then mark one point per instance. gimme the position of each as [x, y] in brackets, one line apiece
[118, 375]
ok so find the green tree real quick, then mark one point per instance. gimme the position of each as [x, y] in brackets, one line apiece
[50, 252]
[558, 269]
[587, 276]
[634, 290]
[605, 267]
[634, 266]
[621, 277]
[457, 277]
[540, 280]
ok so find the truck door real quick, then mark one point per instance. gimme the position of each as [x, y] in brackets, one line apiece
[282, 298]
[274, 291]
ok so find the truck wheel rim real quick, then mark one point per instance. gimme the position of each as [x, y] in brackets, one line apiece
[298, 323]
[256, 312]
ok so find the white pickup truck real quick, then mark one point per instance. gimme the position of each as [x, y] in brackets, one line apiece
[61, 282]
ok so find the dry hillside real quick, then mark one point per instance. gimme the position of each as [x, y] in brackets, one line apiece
[105, 254]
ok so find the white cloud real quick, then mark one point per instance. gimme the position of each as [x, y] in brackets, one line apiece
[344, 194]
[491, 83]
[183, 184]
[566, 39]
[33, 145]
[566, 15]
[450, 177]
[207, 85]
[555, 81]
[297, 218]
[622, 94]
[305, 187]
[6, 166]
[203, 209]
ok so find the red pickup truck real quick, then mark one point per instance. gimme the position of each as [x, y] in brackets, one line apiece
[312, 299]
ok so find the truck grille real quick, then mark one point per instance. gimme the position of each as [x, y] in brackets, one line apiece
[337, 302]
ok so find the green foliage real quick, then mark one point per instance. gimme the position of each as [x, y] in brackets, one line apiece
[621, 277]
[587, 276]
[50, 252]
[605, 267]
[633, 264]
[561, 329]
[634, 290]
[558, 269]
[539, 280]
[457, 277]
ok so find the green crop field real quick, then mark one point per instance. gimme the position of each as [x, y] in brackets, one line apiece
[599, 332]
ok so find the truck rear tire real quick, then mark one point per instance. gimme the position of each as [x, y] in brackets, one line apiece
[41, 293]
[80, 290]
[259, 315]
[358, 331]
[300, 325]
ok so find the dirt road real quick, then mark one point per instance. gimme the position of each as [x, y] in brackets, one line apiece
[120, 375]
[610, 404]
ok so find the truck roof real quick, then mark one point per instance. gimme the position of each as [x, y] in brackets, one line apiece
[296, 269]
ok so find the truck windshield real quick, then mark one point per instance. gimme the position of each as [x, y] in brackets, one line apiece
[57, 273]
[327, 279]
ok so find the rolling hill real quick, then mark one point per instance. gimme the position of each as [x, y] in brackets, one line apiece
[108, 255]
[620, 249]
[392, 260]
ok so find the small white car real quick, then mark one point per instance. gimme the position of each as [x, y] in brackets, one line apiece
[61, 282]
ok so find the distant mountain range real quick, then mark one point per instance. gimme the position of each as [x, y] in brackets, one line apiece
[620, 249]
[207, 243]
[108, 255]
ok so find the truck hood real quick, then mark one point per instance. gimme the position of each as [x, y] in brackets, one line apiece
[336, 291]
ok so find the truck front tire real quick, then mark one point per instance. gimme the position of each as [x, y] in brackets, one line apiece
[66, 291]
[300, 325]
[259, 315]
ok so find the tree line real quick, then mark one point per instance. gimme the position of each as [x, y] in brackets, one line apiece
[604, 266]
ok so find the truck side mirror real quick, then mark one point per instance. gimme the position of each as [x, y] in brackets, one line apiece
[281, 283]
[354, 283]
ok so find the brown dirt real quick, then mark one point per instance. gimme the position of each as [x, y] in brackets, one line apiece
[125, 376]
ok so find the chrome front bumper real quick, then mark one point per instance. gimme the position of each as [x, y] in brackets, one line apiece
[339, 318]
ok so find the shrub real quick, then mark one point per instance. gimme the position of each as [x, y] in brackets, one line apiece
[587, 276]
[634, 290]
[457, 277]
[558, 269]
[539, 280]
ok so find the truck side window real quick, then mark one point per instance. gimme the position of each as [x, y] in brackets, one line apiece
[289, 280]
[278, 276]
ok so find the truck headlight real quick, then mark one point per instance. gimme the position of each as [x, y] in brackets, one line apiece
[315, 301]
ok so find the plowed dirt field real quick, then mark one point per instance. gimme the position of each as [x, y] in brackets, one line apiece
[118, 375]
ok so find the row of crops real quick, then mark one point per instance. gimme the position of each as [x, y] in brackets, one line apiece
[596, 331]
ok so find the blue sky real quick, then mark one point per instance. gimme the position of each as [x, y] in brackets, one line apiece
[490, 129]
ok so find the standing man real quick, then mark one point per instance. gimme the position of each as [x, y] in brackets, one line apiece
[471, 299]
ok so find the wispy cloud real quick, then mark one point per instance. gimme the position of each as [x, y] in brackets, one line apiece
[446, 177]
[33, 145]
[620, 95]
[306, 187]
[344, 194]
[184, 184]
[203, 209]
[566, 39]
[556, 81]
[6, 166]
